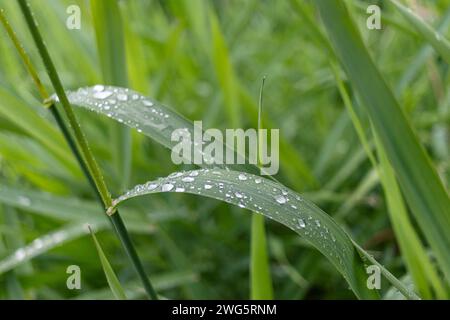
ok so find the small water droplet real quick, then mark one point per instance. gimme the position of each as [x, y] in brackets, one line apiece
[24, 201]
[242, 177]
[238, 195]
[187, 179]
[194, 173]
[102, 94]
[122, 97]
[99, 88]
[317, 223]
[208, 186]
[280, 199]
[301, 223]
[151, 186]
[147, 103]
[179, 189]
[167, 187]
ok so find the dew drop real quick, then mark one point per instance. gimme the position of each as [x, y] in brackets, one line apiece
[242, 177]
[102, 94]
[122, 97]
[24, 201]
[167, 187]
[99, 88]
[208, 186]
[280, 199]
[301, 223]
[258, 180]
[179, 189]
[151, 186]
[187, 179]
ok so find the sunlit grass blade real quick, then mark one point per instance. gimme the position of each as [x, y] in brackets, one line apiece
[113, 281]
[111, 51]
[422, 187]
[435, 38]
[276, 202]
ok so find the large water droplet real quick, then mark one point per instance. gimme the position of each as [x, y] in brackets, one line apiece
[301, 223]
[102, 94]
[167, 187]
[98, 88]
[24, 201]
[280, 199]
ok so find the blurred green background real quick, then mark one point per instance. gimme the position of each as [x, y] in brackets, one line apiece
[206, 60]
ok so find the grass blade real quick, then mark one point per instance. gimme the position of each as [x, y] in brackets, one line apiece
[422, 187]
[111, 51]
[260, 276]
[416, 259]
[276, 202]
[113, 281]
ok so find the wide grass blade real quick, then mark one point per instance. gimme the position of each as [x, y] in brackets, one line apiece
[113, 281]
[418, 179]
[276, 202]
[145, 115]
[416, 259]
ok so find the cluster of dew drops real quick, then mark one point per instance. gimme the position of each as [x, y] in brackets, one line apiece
[118, 103]
[222, 185]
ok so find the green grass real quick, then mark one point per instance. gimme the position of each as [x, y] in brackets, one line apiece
[367, 144]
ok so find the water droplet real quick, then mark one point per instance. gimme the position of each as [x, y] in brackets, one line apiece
[102, 94]
[208, 186]
[301, 223]
[242, 177]
[187, 179]
[151, 186]
[122, 97]
[280, 199]
[24, 201]
[194, 173]
[98, 88]
[179, 189]
[258, 180]
[317, 223]
[238, 195]
[147, 103]
[167, 187]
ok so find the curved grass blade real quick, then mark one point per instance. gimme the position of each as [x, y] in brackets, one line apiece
[45, 243]
[418, 179]
[274, 201]
[113, 281]
[435, 38]
[145, 115]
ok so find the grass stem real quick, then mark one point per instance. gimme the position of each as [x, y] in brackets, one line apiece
[85, 158]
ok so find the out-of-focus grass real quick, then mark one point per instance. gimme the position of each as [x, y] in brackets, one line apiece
[173, 55]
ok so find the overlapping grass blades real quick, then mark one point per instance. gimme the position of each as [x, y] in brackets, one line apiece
[422, 187]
